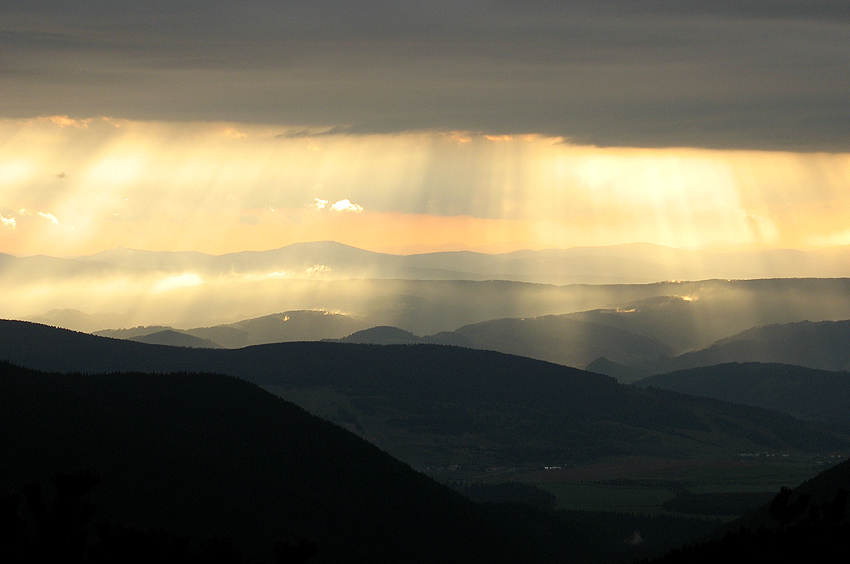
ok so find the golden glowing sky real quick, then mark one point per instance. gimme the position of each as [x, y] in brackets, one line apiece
[73, 187]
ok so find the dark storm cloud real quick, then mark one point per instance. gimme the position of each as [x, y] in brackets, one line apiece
[739, 74]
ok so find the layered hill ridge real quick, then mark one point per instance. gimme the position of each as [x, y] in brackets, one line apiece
[203, 455]
[437, 405]
[275, 328]
[628, 342]
[684, 316]
[807, 393]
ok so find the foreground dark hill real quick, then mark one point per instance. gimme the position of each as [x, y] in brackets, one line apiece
[807, 393]
[806, 524]
[203, 455]
[822, 345]
[175, 339]
[433, 405]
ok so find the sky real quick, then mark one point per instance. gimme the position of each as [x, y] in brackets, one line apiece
[406, 126]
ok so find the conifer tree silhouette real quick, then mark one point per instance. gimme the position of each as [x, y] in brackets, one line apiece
[783, 510]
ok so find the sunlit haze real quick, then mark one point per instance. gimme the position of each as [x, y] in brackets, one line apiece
[622, 142]
[72, 187]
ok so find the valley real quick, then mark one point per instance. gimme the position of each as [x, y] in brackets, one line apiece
[658, 410]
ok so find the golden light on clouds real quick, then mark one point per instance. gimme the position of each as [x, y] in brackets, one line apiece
[70, 187]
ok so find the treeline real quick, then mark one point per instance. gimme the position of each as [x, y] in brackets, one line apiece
[65, 531]
[801, 531]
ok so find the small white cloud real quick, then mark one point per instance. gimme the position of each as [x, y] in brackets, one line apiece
[65, 121]
[276, 275]
[49, 217]
[318, 269]
[346, 206]
[319, 204]
[234, 133]
[8, 222]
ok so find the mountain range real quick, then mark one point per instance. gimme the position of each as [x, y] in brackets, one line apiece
[629, 343]
[424, 294]
[634, 263]
[433, 405]
[171, 440]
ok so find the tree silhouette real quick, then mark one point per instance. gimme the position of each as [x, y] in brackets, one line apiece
[61, 531]
[288, 553]
[783, 510]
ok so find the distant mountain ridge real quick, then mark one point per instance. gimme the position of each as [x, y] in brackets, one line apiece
[633, 263]
[626, 263]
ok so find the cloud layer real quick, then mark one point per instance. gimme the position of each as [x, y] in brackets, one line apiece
[722, 73]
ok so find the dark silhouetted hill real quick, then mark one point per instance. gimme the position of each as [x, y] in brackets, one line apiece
[203, 455]
[806, 524]
[176, 339]
[382, 335]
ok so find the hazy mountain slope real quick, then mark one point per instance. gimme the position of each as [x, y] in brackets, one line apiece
[333, 260]
[436, 405]
[130, 333]
[822, 345]
[176, 339]
[682, 322]
[288, 326]
[621, 372]
[382, 335]
[275, 328]
[807, 393]
[21, 270]
[425, 307]
[202, 455]
[556, 339]
[76, 320]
